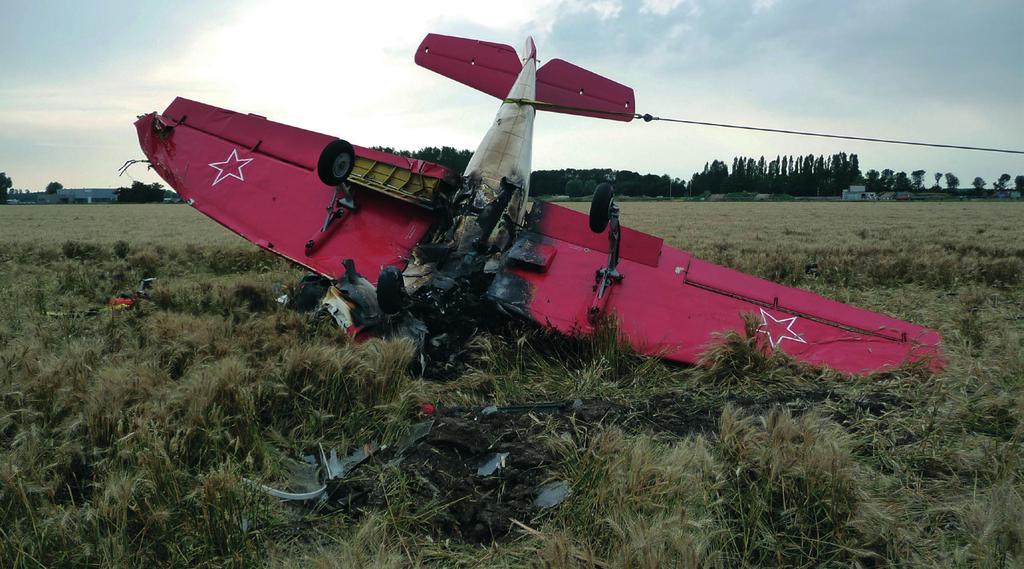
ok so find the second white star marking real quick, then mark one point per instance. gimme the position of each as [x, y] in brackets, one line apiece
[230, 168]
[783, 329]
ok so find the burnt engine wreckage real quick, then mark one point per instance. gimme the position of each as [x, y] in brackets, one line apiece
[406, 248]
[451, 298]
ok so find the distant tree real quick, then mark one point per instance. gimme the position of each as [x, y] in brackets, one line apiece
[1000, 184]
[888, 179]
[678, 187]
[979, 184]
[54, 187]
[141, 193]
[452, 158]
[574, 188]
[1018, 183]
[712, 179]
[938, 178]
[902, 183]
[952, 182]
[5, 186]
[873, 181]
[917, 177]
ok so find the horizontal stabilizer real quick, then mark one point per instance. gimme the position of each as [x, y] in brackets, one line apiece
[492, 68]
[574, 89]
[484, 66]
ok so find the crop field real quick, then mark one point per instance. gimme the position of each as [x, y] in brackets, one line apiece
[140, 438]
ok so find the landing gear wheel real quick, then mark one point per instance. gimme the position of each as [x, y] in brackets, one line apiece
[336, 162]
[391, 290]
[600, 207]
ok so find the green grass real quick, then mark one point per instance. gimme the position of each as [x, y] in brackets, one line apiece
[124, 439]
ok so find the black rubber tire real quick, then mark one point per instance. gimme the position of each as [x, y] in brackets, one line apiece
[336, 162]
[391, 290]
[600, 207]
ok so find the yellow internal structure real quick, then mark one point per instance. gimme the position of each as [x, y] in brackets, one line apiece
[397, 182]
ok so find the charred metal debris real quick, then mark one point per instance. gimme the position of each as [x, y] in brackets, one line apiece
[471, 473]
[452, 289]
[471, 470]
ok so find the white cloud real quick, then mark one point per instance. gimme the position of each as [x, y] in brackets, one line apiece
[763, 5]
[659, 7]
[664, 7]
[605, 9]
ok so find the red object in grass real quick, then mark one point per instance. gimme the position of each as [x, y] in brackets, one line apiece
[121, 302]
[427, 408]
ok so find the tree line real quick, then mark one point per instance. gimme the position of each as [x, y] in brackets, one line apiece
[791, 175]
[794, 175]
[138, 192]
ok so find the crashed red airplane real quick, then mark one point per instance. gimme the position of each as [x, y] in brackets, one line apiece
[434, 247]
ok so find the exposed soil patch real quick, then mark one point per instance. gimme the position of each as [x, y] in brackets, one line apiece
[442, 468]
[440, 462]
[441, 472]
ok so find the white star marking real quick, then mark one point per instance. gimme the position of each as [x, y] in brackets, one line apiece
[230, 168]
[788, 334]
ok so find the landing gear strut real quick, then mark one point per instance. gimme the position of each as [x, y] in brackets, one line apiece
[604, 212]
[335, 164]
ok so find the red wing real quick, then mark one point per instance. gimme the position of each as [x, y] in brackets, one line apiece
[671, 304]
[258, 179]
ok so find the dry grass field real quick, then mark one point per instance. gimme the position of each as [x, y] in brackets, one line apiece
[126, 439]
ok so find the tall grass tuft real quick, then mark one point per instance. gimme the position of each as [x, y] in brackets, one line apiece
[644, 503]
[743, 360]
[791, 493]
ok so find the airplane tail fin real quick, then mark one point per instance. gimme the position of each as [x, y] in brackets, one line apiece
[492, 68]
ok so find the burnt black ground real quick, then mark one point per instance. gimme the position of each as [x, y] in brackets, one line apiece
[440, 470]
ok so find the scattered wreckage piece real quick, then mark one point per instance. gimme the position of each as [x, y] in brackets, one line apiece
[493, 463]
[132, 300]
[127, 300]
[552, 494]
[483, 464]
[545, 407]
[485, 469]
[317, 471]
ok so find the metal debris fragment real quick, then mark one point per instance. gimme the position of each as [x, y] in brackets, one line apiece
[336, 468]
[573, 405]
[493, 463]
[291, 496]
[303, 475]
[318, 470]
[417, 432]
[551, 494]
[335, 305]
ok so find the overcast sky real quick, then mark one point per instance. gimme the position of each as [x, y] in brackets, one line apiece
[73, 76]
